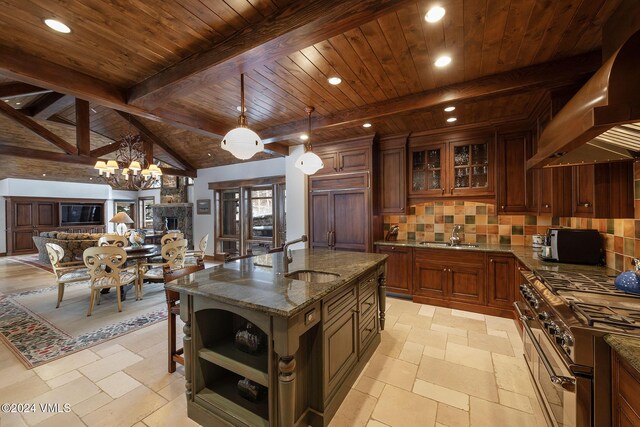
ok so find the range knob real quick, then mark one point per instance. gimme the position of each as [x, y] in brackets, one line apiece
[552, 328]
[543, 315]
[567, 339]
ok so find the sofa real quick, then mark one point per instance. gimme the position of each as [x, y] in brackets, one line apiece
[73, 244]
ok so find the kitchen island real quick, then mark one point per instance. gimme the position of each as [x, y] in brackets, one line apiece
[311, 337]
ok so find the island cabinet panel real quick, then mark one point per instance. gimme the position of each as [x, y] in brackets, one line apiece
[393, 175]
[340, 349]
[399, 268]
[626, 399]
[501, 280]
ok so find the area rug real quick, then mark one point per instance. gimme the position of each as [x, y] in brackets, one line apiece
[34, 261]
[38, 333]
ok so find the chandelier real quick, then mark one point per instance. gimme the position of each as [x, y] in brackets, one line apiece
[129, 170]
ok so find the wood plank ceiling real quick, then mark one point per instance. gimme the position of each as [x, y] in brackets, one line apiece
[129, 44]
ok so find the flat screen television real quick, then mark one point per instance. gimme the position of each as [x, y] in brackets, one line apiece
[81, 213]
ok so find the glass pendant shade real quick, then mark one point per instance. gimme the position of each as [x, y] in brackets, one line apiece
[242, 142]
[309, 163]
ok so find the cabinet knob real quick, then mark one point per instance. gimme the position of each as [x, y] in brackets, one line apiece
[402, 209]
[451, 190]
[547, 205]
[502, 207]
[443, 191]
[393, 248]
[491, 260]
[587, 205]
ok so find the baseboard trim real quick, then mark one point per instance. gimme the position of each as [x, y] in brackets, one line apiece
[3, 254]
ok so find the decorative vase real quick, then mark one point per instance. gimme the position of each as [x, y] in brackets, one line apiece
[250, 339]
[628, 282]
[250, 390]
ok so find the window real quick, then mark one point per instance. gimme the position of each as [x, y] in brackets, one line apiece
[145, 219]
[128, 207]
[250, 216]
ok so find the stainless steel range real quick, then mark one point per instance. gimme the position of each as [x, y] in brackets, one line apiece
[564, 319]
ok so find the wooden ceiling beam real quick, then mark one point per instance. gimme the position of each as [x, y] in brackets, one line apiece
[83, 127]
[36, 128]
[16, 89]
[39, 72]
[296, 26]
[105, 149]
[148, 134]
[49, 105]
[30, 153]
[542, 76]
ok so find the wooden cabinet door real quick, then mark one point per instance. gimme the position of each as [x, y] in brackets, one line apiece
[583, 190]
[514, 181]
[427, 170]
[340, 348]
[626, 400]
[471, 168]
[466, 283]
[319, 219]
[430, 277]
[22, 241]
[398, 276]
[47, 213]
[621, 190]
[554, 190]
[500, 281]
[393, 180]
[354, 160]
[24, 214]
[330, 161]
[350, 220]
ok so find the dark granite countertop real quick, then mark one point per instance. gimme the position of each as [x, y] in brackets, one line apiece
[525, 254]
[627, 347]
[254, 283]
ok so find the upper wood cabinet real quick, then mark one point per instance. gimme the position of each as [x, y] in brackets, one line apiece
[553, 188]
[458, 168]
[392, 184]
[603, 190]
[353, 155]
[516, 190]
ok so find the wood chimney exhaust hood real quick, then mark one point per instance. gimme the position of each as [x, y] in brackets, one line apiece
[602, 121]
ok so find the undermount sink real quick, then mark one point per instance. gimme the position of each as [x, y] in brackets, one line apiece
[459, 245]
[313, 276]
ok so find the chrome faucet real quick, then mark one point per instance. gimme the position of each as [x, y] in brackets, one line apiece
[455, 237]
[286, 252]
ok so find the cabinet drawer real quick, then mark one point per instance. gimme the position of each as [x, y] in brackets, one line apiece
[368, 330]
[367, 303]
[346, 299]
[368, 283]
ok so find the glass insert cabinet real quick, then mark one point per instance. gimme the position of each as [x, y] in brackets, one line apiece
[452, 168]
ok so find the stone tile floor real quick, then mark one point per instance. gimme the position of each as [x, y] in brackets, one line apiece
[434, 367]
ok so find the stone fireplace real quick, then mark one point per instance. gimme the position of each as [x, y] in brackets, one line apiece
[177, 216]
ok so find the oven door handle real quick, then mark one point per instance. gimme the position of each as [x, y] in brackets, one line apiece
[567, 383]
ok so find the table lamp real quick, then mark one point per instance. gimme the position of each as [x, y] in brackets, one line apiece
[121, 219]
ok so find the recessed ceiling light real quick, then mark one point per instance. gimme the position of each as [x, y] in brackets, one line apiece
[304, 137]
[335, 80]
[57, 26]
[44, 174]
[93, 110]
[449, 109]
[451, 119]
[209, 154]
[366, 125]
[443, 61]
[90, 179]
[6, 100]
[18, 103]
[434, 14]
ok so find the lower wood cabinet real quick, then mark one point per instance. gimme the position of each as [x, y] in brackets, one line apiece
[625, 381]
[484, 282]
[501, 277]
[340, 348]
[399, 270]
[452, 275]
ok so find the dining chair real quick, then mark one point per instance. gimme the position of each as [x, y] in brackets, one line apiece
[171, 236]
[113, 240]
[173, 310]
[173, 254]
[198, 254]
[105, 264]
[65, 272]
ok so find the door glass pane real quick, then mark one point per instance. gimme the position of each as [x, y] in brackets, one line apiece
[231, 213]
[461, 155]
[418, 180]
[433, 169]
[480, 160]
[262, 214]
[462, 177]
[147, 213]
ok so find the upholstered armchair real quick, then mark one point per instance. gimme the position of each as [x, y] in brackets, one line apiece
[105, 264]
[65, 272]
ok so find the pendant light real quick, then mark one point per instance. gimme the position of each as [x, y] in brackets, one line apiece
[309, 162]
[242, 142]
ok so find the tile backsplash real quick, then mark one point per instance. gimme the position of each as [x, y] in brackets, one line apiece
[481, 224]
